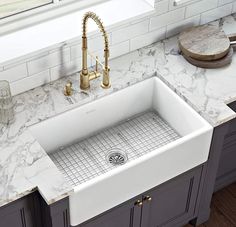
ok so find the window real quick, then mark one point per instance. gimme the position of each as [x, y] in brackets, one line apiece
[16, 8]
[11, 7]
[18, 14]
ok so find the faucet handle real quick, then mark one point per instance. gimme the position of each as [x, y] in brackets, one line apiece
[68, 89]
[96, 67]
[94, 74]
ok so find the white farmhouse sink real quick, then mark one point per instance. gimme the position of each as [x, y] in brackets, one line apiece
[117, 185]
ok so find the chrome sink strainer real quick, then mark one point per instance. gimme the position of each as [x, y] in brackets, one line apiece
[116, 157]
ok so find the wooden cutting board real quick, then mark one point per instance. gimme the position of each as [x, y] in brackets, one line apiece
[232, 37]
[205, 43]
[226, 60]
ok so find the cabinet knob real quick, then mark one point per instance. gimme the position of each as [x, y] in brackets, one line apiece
[148, 198]
[138, 203]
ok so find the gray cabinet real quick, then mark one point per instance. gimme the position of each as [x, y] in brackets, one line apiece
[226, 173]
[173, 202]
[170, 204]
[55, 215]
[32, 211]
[21, 213]
[220, 169]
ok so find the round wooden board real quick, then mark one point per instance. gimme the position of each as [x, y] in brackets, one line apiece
[212, 64]
[206, 43]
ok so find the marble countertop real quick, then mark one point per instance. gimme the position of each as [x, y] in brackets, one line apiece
[25, 166]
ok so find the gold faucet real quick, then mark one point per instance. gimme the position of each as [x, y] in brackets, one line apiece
[85, 75]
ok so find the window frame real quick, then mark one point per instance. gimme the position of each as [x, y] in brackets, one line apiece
[43, 13]
[28, 9]
[66, 29]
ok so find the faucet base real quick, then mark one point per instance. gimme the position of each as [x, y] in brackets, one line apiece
[104, 86]
[84, 81]
[85, 78]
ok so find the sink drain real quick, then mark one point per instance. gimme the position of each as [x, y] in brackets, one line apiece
[116, 157]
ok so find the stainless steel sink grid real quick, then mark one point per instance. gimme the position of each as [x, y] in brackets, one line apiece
[86, 159]
[116, 157]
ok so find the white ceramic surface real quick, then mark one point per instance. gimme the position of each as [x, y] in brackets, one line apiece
[189, 151]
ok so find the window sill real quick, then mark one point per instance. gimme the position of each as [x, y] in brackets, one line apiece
[68, 27]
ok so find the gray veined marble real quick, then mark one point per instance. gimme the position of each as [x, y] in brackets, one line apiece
[25, 166]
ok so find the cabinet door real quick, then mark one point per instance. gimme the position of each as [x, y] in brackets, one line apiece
[125, 215]
[20, 213]
[171, 203]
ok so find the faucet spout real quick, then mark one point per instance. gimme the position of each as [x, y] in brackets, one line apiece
[85, 75]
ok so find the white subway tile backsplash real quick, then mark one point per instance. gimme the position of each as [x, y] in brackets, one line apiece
[167, 18]
[216, 13]
[115, 51]
[173, 6]
[234, 7]
[94, 44]
[51, 60]
[65, 69]
[28, 83]
[64, 58]
[15, 73]
[75, 65]
[119, 49]
[175, 28]
[76, 51]
[97, 43]
[24, 59]
[147, 39]
[129, 31]
[200, 7]
[162, 7]
[223, 2]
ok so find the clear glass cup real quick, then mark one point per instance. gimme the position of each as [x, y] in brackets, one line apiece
[6, 103]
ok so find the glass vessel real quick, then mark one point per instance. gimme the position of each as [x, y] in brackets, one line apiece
[6, 104]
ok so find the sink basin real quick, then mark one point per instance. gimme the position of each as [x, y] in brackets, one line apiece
[71, 135]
